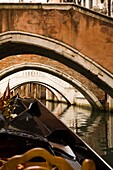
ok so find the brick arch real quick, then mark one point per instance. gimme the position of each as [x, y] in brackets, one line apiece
[92, 99]
[17, 42]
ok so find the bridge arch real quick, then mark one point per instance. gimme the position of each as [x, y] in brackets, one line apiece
[53, 90]
[17, 42]
[92, 99]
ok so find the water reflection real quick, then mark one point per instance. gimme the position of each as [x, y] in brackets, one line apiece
[95, 128]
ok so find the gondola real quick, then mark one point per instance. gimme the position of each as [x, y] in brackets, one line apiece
[29, 124]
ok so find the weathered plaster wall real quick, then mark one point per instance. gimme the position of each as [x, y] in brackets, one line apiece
[89, 33]
[76, 27]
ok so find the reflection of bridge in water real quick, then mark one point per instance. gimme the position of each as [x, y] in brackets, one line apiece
[73, 39]
[93, 127]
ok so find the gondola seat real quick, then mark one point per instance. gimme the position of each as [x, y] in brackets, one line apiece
[50, 162]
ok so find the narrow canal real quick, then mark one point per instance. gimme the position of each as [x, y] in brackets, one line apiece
[95, 128]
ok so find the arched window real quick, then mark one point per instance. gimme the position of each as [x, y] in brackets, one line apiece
[79, 2]
[102, 1]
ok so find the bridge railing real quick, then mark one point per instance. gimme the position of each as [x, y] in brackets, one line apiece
[104, 7]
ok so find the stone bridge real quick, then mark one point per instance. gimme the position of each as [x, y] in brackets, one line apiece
[75, 40]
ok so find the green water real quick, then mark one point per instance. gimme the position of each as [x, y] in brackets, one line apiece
[95, 128]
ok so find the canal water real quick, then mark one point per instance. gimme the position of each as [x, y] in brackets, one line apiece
[95, 128]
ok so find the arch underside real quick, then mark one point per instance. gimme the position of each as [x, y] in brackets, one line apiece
[16, 42]
[55, 91]
[92, 99]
